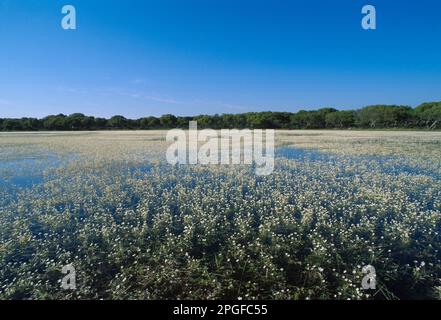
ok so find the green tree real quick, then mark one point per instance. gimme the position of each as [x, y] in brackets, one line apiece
[12, 125]
[117, 122]
[168, 121]
[57, 122]
[429, 115]
[384, 116]
[340, 119]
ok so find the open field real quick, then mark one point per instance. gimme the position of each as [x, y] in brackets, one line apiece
[135, 227]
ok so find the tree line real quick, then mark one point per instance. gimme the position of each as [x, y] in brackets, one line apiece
[425, 116]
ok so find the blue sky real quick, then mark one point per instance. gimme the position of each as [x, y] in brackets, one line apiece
[140, 58]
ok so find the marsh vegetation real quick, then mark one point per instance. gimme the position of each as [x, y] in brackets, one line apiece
[136, 227]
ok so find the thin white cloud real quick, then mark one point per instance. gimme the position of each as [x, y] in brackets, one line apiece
[162, 99]
[142, 95]
[5, 102]
[230, 106]
[139, 81]
[221, 104]
[69, 89]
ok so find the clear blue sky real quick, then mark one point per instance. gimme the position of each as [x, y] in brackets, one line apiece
[185, 57]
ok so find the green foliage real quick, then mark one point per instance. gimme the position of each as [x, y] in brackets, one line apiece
[383, 116]
[429, 115]
[340, 119]
[168, 121]
[117, 122]
[425, 116]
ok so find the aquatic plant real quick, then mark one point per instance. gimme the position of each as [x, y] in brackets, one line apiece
[135, 227]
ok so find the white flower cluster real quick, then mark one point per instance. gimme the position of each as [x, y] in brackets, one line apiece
[136, 227]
